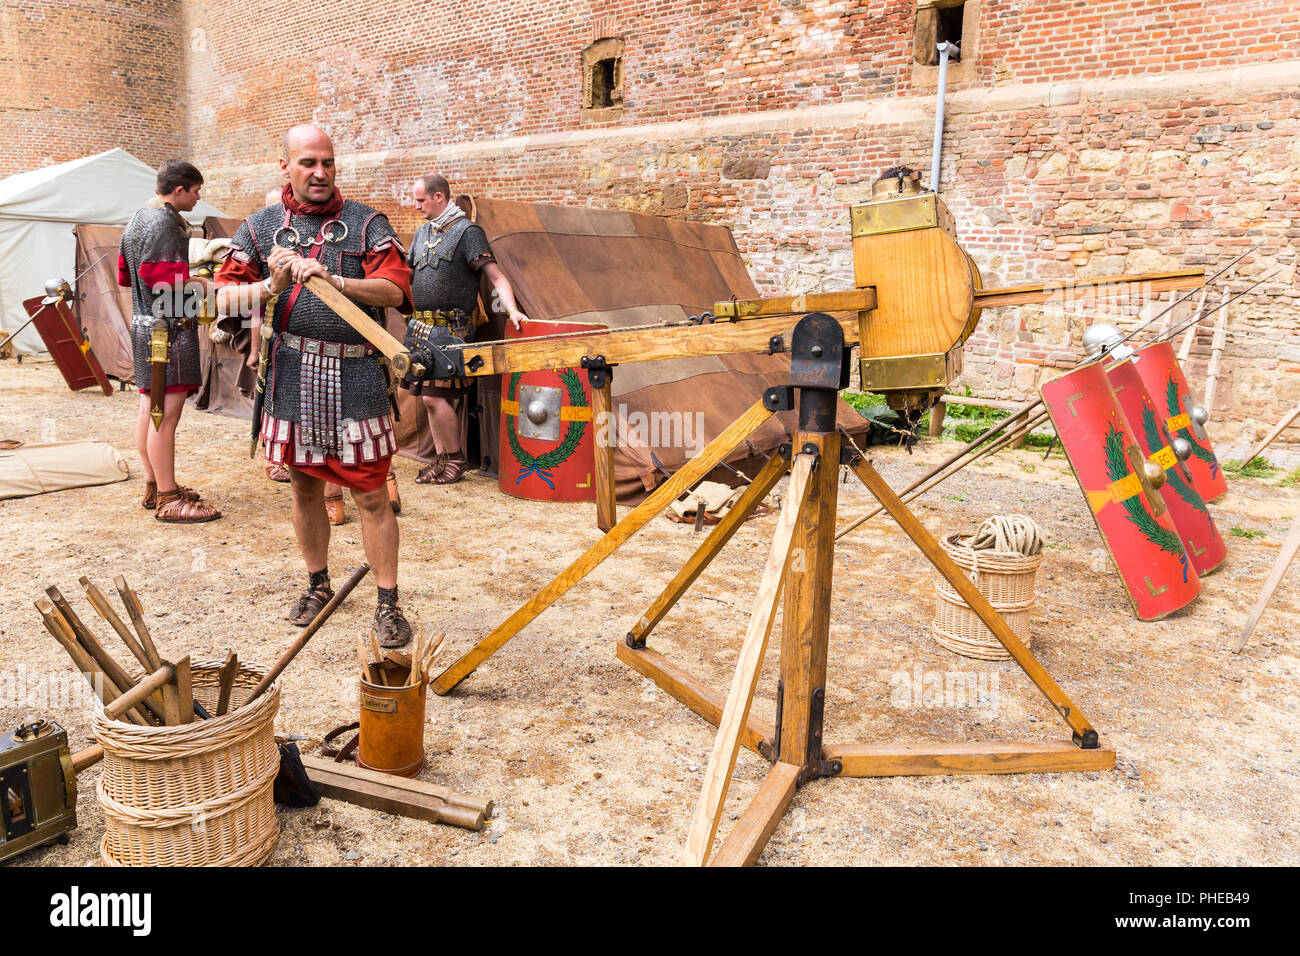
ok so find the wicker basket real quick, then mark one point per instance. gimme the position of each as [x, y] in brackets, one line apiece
[195, 795]
[1007, 580]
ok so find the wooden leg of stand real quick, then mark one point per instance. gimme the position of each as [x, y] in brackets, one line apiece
[698, 696]
[685, 477]
[805, 623]
[1284, 558]
[745, 843]
[1083, 731]
[699, 841]
[602, 407]
[937, 412]
[714, 543]
[923, 759]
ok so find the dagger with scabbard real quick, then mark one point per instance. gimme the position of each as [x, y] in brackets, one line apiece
[263, 361]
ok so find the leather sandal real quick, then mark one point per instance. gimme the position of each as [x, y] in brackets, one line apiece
[394, 496]
[277, 472]
[334, 509]
[430, 472]
[306, 608]
[175, 508]
[452, 470]
[391, 626]
[150, 500]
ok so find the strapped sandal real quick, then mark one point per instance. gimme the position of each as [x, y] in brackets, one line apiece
[309, 605]
[334, 509]
[430, 472]
[175, 508]
[452, 470]
[391, 626]
[150, 500]
[277, 472]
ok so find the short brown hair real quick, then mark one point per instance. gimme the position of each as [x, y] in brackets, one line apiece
[436, 183]
[177, 173]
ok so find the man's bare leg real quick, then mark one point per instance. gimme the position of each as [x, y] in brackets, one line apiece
[143, 425]
[309, 522]
[379, 535]
[444, 423]
[160, 442]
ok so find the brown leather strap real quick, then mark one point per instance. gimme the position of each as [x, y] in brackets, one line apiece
[347, 750]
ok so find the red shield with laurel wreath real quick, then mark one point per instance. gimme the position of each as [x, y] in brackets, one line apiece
[1132, 516]
[547, 432]
[1164, 379]
[1205, 546]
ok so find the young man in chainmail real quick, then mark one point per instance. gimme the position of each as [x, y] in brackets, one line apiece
[154, 262]
[327, 414]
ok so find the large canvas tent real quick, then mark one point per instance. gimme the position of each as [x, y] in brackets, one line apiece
[38, 211]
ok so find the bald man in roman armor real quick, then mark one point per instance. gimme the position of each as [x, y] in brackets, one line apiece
[327, 416]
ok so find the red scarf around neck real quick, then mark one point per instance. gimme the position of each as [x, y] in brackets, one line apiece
[329, 207]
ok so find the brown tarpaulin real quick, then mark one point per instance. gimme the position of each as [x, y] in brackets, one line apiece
[227, 381]
[102, 306]
[626, 269]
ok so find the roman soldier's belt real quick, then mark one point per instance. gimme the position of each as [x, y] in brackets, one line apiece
[445, 317]
[300, 343]
[173, 325]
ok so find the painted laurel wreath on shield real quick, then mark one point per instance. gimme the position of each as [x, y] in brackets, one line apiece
[1117, 468]
[542, 464]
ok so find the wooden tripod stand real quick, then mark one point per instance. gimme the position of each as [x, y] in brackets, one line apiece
[800, 563]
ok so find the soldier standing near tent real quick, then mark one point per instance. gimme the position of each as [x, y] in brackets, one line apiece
[447, 255]
[327, 414]
[153, 260]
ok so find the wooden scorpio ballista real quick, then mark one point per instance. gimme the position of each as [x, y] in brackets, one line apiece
[918, 297]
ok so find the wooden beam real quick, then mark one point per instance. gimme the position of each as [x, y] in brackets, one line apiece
[744, 845]
[602, 407]
[1284, 558]
[135, 612]
[694, 469]
[735, 713]
[148, 685]
[956, 577]
[1044, 292]
[850, 300]
[105, 610]
[391, 794]
[694, 693]
[633, 345]
[926, 759]
[351, 313]
[722, 532]
[1258, 450]
[229, 670]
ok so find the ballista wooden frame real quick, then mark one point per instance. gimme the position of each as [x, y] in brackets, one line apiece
[915, 280]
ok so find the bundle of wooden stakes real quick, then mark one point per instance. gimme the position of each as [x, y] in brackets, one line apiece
[395, 669]
[163, 695]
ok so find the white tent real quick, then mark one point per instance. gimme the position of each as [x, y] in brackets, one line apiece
[38, 210]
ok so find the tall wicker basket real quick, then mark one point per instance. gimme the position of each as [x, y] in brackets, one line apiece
[200, 794]
[1007, 580]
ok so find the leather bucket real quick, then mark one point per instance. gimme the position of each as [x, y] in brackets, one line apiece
[392, 728]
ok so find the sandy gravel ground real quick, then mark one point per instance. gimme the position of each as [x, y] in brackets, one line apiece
[590, 763]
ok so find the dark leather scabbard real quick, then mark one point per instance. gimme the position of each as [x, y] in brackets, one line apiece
[158, 338]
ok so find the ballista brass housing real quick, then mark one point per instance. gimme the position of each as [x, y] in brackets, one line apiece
[905, 246]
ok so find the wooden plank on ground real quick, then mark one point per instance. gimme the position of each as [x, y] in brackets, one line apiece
[923, 759]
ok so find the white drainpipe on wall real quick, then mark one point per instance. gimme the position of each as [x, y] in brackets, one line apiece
[945, 50]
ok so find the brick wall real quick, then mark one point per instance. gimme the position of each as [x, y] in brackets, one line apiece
[81, 77]
[1082, 138]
